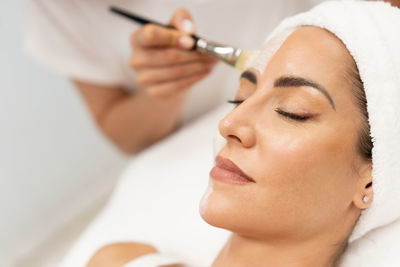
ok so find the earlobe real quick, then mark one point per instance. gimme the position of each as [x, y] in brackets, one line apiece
[364, 198]
[365, 193]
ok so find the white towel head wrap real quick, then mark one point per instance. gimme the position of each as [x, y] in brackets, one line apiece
[371, 32]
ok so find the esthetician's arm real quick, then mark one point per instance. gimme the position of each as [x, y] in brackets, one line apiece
[395, 3]
[165, 70]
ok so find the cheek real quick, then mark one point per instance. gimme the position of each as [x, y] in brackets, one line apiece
[294, 159]
[308, 177]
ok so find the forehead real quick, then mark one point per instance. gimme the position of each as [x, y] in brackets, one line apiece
[313, 53]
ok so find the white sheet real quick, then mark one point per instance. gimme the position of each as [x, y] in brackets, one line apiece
[157, 203]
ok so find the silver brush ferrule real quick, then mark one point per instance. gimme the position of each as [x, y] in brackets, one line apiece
[222, 52]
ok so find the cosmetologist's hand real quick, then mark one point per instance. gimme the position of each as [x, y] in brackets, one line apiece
[164, 64]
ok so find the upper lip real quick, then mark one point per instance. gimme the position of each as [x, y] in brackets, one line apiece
[229, 165]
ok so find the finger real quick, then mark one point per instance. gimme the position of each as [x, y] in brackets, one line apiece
[167, 89]
[155, 57]
[183, 21]
[152, 35]
[148, 77]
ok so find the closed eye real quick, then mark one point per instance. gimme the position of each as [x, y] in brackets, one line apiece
[281, 112]
[236, 102]
[293, 116]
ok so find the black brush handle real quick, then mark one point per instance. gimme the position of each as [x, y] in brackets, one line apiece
[143, 21]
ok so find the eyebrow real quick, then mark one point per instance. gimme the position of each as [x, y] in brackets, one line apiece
[250, 76]
[293, 81]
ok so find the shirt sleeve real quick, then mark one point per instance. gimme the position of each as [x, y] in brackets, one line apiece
[65, 37]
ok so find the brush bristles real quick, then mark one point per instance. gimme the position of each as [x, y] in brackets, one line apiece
[242, 60]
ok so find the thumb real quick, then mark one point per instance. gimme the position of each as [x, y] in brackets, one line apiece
[182, 20]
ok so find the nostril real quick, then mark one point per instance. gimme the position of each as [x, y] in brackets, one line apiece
[235, 137]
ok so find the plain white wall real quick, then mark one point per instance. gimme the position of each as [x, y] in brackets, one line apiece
[53, 160]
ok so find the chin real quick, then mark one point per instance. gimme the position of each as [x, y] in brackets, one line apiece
[220, 211]
[236, 214]
[210, 213]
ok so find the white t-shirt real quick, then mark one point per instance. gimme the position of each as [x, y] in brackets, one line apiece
[83, 40]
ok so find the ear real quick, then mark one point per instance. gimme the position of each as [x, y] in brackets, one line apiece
[364, 187]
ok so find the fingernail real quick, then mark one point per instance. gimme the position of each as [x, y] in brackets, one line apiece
[186, 42]
[187, 26]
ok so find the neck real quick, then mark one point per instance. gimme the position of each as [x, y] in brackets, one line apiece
[245, 251]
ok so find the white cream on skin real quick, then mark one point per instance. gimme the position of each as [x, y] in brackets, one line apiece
[204, 199]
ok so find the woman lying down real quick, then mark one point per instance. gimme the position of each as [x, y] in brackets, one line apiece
[311, 159]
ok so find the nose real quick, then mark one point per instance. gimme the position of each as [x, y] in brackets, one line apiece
[237, 128]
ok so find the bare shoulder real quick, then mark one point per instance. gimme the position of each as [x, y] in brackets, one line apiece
[118, 254]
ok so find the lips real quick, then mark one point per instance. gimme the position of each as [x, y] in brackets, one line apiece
[227, 171]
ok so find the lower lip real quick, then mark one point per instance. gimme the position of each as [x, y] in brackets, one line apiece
[226, 176]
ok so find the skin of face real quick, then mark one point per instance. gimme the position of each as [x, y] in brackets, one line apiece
[309, 176]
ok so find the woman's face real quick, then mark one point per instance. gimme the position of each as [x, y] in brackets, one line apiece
[296, 136]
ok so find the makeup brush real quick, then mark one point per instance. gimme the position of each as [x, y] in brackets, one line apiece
[233, 56]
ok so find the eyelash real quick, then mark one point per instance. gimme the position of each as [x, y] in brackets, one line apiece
[292, 115]
[235, 102]
[289, 115]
